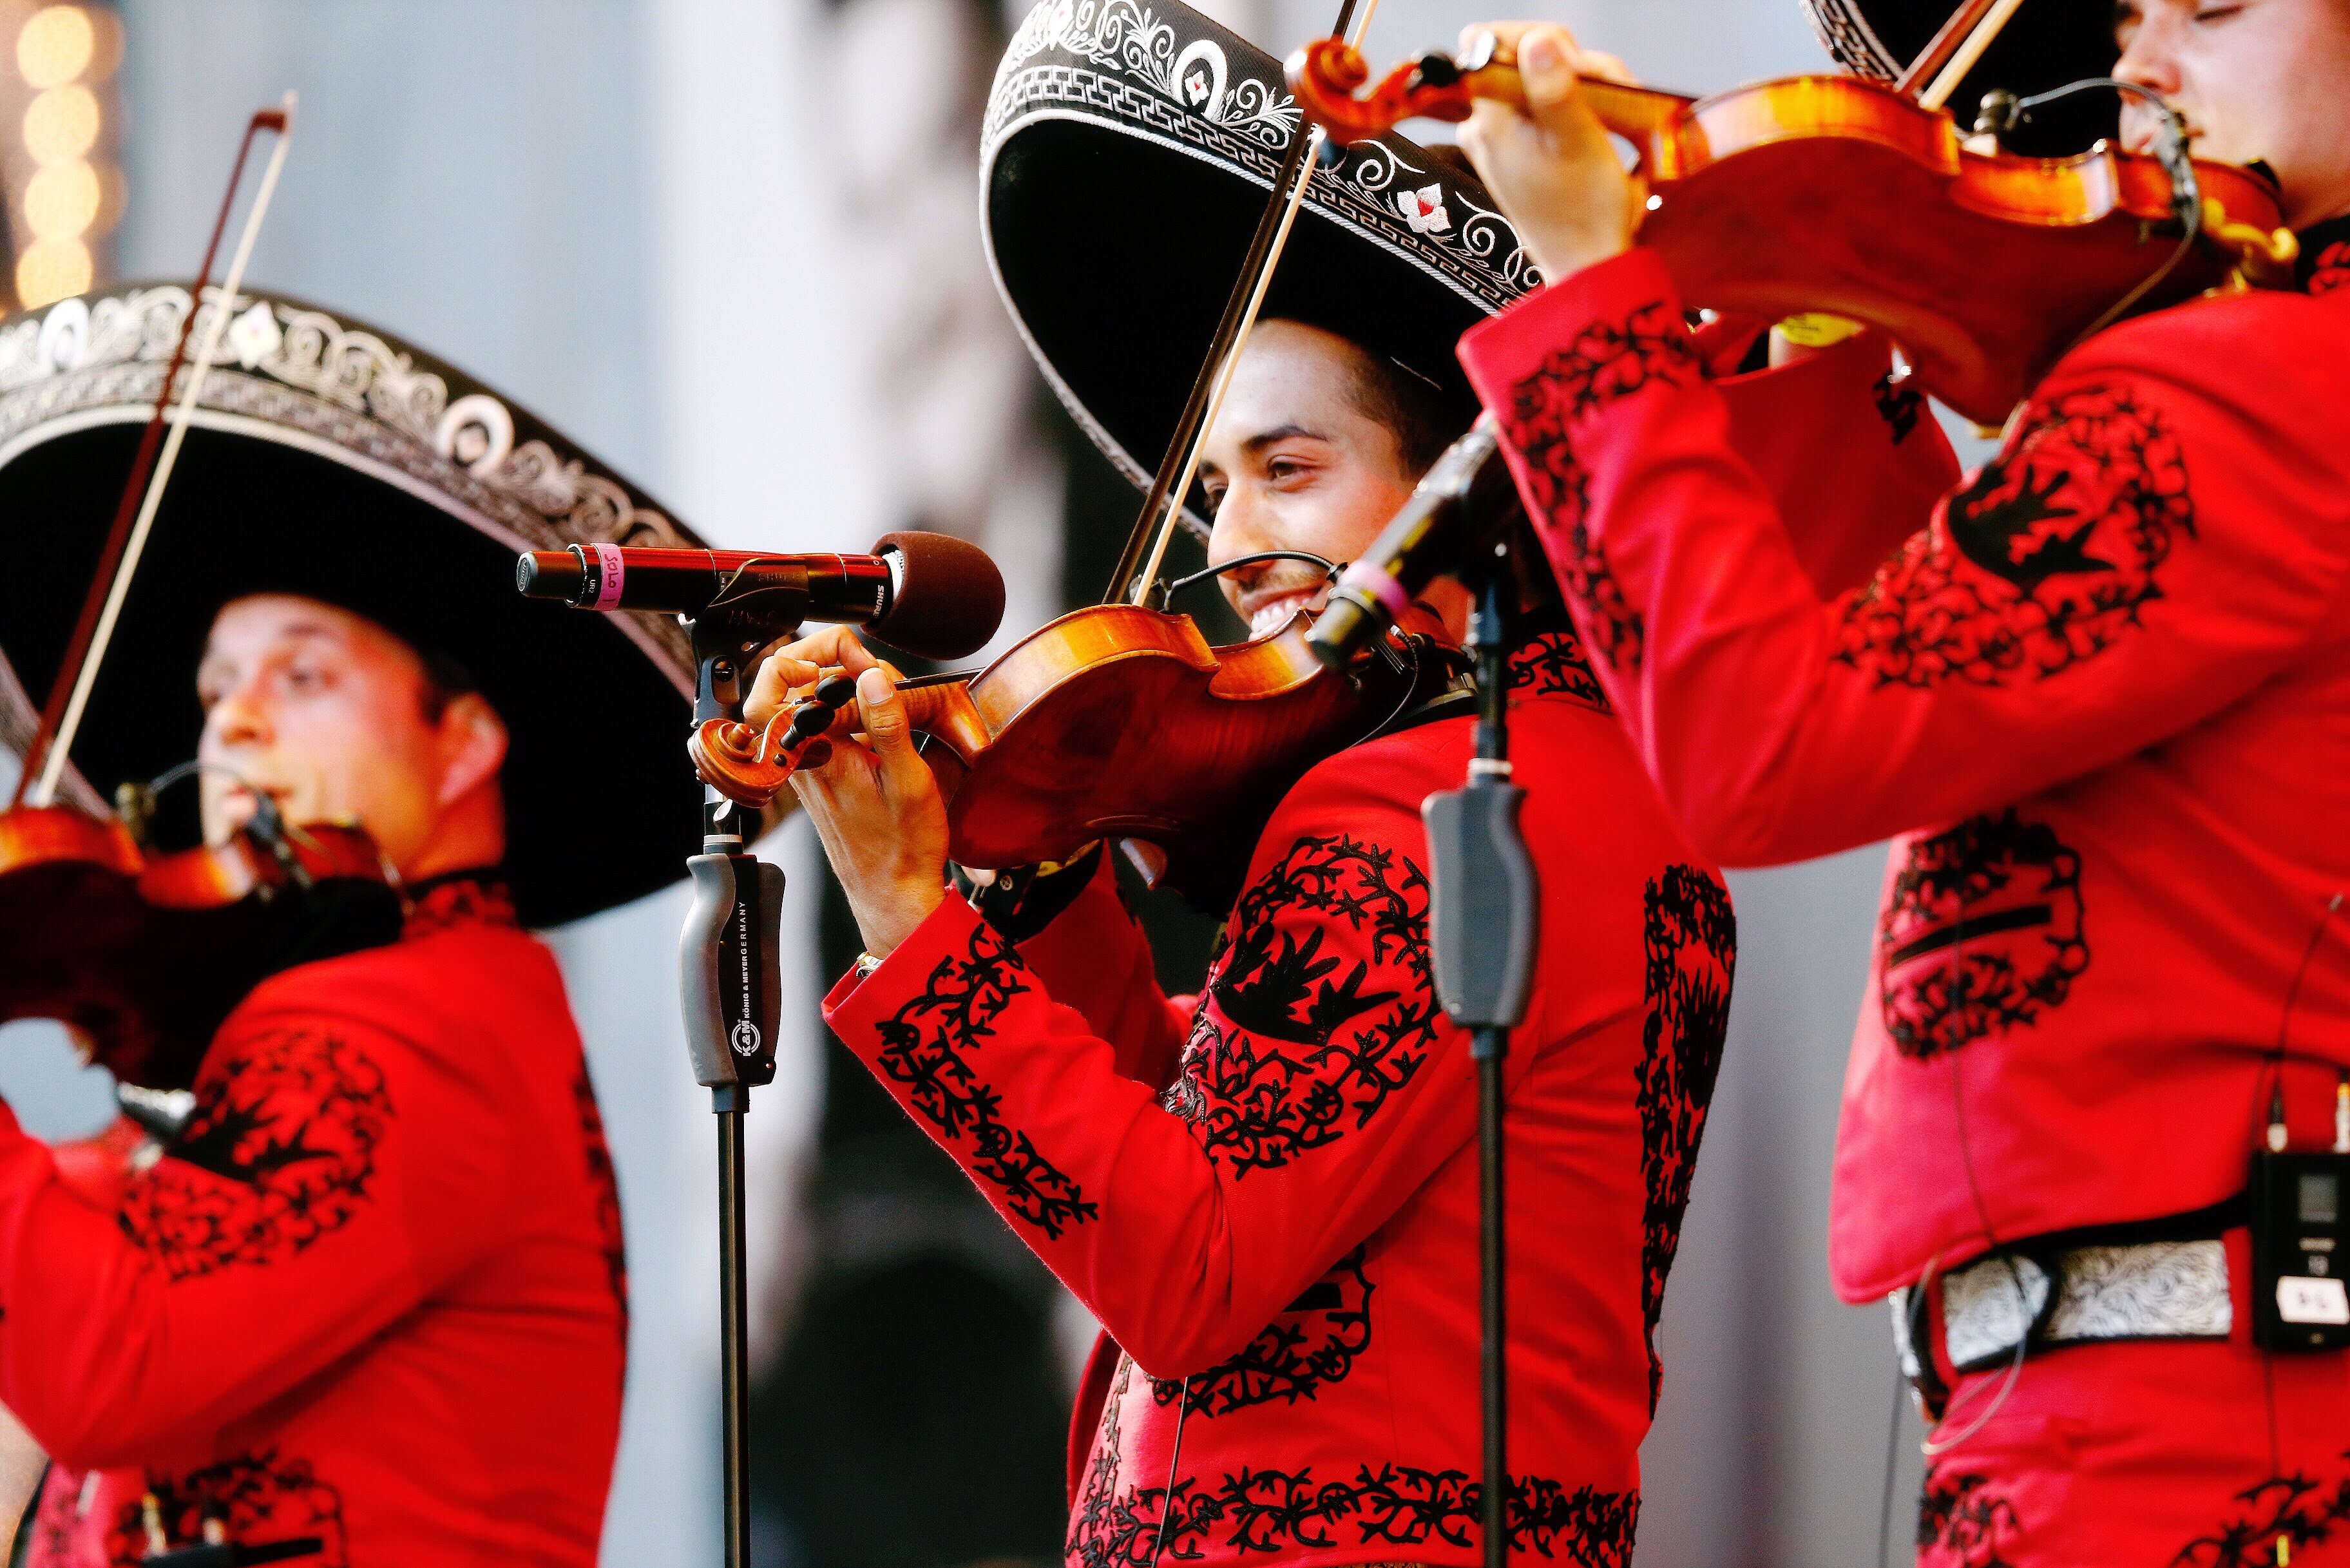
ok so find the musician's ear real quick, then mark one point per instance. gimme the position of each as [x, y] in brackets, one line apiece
[472, 746]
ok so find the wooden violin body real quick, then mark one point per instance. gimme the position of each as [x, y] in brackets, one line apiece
[1838, 195]
[146, 955]
[1118, 721]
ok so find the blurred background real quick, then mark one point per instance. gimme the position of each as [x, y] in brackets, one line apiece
[732, 246]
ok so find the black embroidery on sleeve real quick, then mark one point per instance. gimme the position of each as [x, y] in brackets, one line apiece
[2293, 1508]
[604, 1186]
[259, 1500]
[1606, 363]
[1293, 1045]
[1982, 932]
[2044, 560]
[1691, 937]
[1958, 1514]
[1549, 661]
[1311, 1345]
[280, 1152]
[927, 1045]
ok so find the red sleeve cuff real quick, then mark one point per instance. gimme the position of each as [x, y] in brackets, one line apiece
[855, 1007]
[1499, 353]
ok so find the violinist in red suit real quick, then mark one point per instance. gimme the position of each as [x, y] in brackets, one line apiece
[363, 1298]
[2097, 699]
[1267, 1192]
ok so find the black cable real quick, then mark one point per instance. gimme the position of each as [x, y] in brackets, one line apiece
[1329, 568]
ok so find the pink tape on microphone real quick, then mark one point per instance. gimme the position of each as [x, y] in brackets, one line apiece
[612, 570]
[1380, 586]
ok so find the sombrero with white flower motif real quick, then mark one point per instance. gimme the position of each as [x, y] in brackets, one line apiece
[327, 459]
[1127, 153]
[2045, 44]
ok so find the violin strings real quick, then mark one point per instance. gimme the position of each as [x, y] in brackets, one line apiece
[53, 765]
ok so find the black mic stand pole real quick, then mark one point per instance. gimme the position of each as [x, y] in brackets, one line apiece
[732, 988]
[1482, 918]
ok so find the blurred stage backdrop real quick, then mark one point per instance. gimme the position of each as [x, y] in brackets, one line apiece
[732, 246]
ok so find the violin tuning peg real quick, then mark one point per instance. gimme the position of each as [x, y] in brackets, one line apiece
[810, 720]
[835, 692]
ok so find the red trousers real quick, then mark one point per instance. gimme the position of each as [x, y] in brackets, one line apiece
[2145, 1454]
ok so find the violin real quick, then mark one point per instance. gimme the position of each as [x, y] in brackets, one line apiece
[143, 954]
[1841, 197]
[1039, 754]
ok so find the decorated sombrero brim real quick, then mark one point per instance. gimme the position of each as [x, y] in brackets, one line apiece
[1127, 157]
[2045, 44]
[326, 459]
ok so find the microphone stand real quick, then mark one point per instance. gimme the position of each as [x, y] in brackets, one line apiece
[731, 972]
[1483, 922]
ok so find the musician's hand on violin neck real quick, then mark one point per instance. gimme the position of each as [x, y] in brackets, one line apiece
[1552, 166]
[874, 802]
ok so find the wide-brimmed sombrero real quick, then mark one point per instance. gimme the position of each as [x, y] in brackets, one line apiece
[1127, 156]
[327, 459]
[2045, 44]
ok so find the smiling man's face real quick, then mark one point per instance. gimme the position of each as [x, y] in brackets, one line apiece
[1297, 461]
[337, 721]
[2267, 79]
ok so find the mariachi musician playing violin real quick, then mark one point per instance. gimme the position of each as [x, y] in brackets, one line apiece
[366, 1302]
[1268, 1194]
[2098, 700]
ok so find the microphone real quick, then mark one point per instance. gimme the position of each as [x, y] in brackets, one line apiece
[1459, 505]
[933, 595]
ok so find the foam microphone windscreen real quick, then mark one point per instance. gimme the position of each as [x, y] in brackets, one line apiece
[949, 597]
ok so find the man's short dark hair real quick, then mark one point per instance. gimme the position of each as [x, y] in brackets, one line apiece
[445, 681]
[1421, 419]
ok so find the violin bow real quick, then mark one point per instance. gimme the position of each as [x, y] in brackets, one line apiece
[1944, 63]
[1146, 546]
[150, 471]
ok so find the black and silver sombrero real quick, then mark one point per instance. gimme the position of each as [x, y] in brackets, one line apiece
[2045, 44]
[1127, 156]
[329, 460]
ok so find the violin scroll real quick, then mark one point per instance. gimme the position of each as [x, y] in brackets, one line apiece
[750, 765]
[1327, 75]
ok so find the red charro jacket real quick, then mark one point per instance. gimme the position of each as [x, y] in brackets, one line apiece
[1270, 1199]
[374, 1299]
[2102, 698]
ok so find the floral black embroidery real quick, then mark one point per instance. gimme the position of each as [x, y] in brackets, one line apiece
[1269, 1510]
[259, 1500]
[1291, 1044]
[1691, 937]
[2041, 561]
[927, 1045]
[1312, 1343]
[1960, 1515]
[1898, 403]
[458, 900]
[280, 1151]
[1982, 932]
[1606, 363]
[1549, 661]
[1105, 1529]
[2292, 1509]
[603, 1184]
